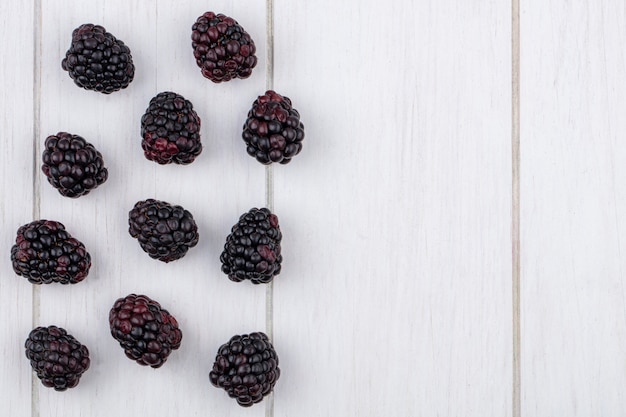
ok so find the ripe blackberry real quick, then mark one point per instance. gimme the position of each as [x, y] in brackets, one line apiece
[165, 232]
[147, 332]
[273, 131]
[252, 249]
[57, 357]
[45, 252]
[72, 165]
[222, 48]
[98, 61]
[246, 367]
[170, 130]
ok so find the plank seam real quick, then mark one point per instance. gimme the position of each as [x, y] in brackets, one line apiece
[36, 209]
[515, 205]
[269, 185]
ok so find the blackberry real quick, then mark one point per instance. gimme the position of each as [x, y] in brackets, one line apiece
[147, 332]
[246, 367]
[252, 249]
[273, 131]
[57, 357]
[72, 165]
[98, 61]
[222, 48]
[165, 232]
[45, 252]
[170, 130]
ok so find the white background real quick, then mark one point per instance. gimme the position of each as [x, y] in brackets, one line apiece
[396, 295]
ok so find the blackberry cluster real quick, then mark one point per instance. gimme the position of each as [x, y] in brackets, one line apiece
[165, 232]
[57, 357]
[246, 367]
[147, 332]
[44, 252]
[222, 48]
[72, 165]
[252, 249]
[273, 131]
[98, 61]
[170, 130]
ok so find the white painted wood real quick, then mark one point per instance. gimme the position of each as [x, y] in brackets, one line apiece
[16, 185]
[395, 296]
[573, 206]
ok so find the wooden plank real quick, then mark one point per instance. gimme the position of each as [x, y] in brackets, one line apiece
[573, 205]
[395, 296]
[16, 205]
[220, 185]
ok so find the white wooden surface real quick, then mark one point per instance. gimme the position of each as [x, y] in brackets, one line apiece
[395, 295]
[573, 208]
[16, 204]
[398, 293]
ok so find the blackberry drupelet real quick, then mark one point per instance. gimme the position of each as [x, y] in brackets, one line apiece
[273, 131]
[57, 357]
[72, 165]
[246, 367]
[252, 249]
[44, 252]
[222, 48]
[170, 130]
[164, 231]
[98, 61]
[147, 332]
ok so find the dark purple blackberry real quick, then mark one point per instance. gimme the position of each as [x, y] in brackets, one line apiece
[165, 232]
[98, 61]
[57, 357]
[147, 332]
[170, 130]
[246, 367]
[45, 252]
[273, 131]
[252, 249]
[222, 48]
[72, 165]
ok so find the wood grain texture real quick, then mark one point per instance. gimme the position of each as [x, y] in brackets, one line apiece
[16, 204]
[395, 296]
[573, 205]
